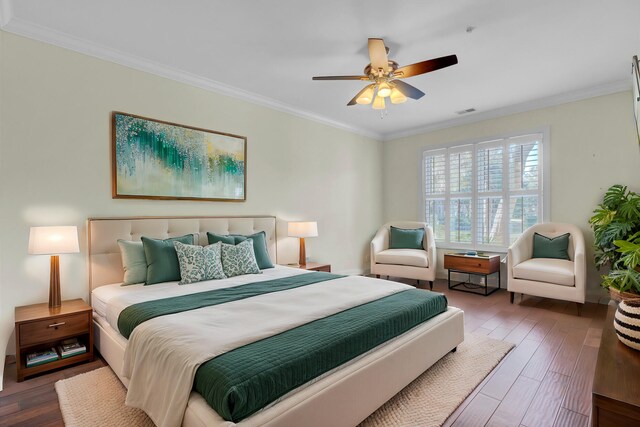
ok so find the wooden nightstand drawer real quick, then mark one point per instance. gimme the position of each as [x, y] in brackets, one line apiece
[53, 329]
[467, 264]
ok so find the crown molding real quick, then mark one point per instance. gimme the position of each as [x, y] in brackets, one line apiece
[9, 23]
[536, 104]
[6, 12]
[33, 31]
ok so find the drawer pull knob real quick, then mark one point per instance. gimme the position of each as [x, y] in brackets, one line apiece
[55, 325]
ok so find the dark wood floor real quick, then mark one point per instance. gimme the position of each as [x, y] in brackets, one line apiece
[544, 381]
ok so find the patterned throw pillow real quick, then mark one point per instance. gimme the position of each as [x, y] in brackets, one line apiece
[198, 263]
[239, 259]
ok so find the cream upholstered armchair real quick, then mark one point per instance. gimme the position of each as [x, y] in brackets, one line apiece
[548, 277]
[419, 264]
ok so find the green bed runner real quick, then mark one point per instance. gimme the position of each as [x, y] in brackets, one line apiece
[136, 314]
[238, 383]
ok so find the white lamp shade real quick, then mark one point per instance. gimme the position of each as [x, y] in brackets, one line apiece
[378, 103]
[367, 96]
[397, 97]
[303, 229]
[53, 240]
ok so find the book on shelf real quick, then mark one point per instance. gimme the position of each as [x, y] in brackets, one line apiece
[40, 357]
[71, 347]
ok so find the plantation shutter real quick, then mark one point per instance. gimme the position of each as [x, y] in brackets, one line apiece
[435, 191]
[461, 194]
[484, 195]
[525, 179]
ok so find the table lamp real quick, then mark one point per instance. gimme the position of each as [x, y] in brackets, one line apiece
[54, 241]
[302, 230]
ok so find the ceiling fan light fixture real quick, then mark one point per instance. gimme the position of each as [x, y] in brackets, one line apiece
[384, 89]
[397, 97]
[378, 103]
[367, 96]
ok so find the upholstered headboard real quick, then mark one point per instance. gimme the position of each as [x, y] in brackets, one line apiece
[105, 263]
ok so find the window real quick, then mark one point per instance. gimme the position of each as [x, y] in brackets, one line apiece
[485, 194]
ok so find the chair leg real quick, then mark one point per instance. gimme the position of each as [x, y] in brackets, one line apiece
[377, 276]
[511, 295]
[579, 308]
[430, 285]
[418, 285]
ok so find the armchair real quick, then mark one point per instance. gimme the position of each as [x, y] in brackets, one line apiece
[548, 277]
[419, 264]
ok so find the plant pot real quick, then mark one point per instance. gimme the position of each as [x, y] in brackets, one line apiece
[616, 295]
[627, 323]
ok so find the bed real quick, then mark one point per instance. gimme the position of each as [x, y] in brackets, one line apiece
[344, 396]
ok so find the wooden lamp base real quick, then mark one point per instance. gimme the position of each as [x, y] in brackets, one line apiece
[302, 259]
[55, 299]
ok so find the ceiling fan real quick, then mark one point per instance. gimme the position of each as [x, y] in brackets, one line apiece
[384, 75]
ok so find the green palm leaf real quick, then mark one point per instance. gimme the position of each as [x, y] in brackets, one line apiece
[614, 196]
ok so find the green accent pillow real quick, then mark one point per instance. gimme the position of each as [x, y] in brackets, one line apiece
[134, 262]
[239, 259]
[198, 263]
[259, 245]
[259, 248]
[215, 238]
[402, 238]
[162, 260]
[546, 247]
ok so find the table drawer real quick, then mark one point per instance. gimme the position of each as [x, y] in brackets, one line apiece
[475, 265]
[52, 329]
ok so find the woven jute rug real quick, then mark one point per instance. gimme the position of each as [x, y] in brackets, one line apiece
[433, 396]
[97, 397]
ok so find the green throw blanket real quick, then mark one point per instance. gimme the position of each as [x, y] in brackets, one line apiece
[238, 383]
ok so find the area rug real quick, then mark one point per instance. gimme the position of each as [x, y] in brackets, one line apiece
[97, 397]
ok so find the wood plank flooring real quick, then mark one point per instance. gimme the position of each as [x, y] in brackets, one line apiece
[544, 381]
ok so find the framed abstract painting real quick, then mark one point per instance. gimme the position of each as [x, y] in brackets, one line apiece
[153, 159]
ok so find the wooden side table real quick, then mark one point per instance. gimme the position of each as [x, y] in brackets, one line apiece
[476, 265]
[315, 266]
[39, 327]
[616, 382]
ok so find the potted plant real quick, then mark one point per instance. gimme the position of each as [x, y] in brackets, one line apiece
[616, 226]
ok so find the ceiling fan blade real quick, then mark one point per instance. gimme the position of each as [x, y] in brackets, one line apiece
[425, 66]
[353, 101]
[340, 78]
[378, 54]
[408, 90]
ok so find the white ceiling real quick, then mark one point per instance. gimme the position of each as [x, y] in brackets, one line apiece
[522, 53]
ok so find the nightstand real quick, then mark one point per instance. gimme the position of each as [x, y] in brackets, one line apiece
[39, 327]
[315, 266]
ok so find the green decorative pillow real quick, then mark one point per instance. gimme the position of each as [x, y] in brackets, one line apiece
[162, 260]
[134, 262]
[259, 248]
[401, 238]
[198, 263]
[259, 245]
[215, 238]
[239, 259]
[545, 247]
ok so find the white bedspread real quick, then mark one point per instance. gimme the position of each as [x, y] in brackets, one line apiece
[164, 353]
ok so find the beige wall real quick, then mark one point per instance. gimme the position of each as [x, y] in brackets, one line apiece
[592, 147]
[55, 166]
